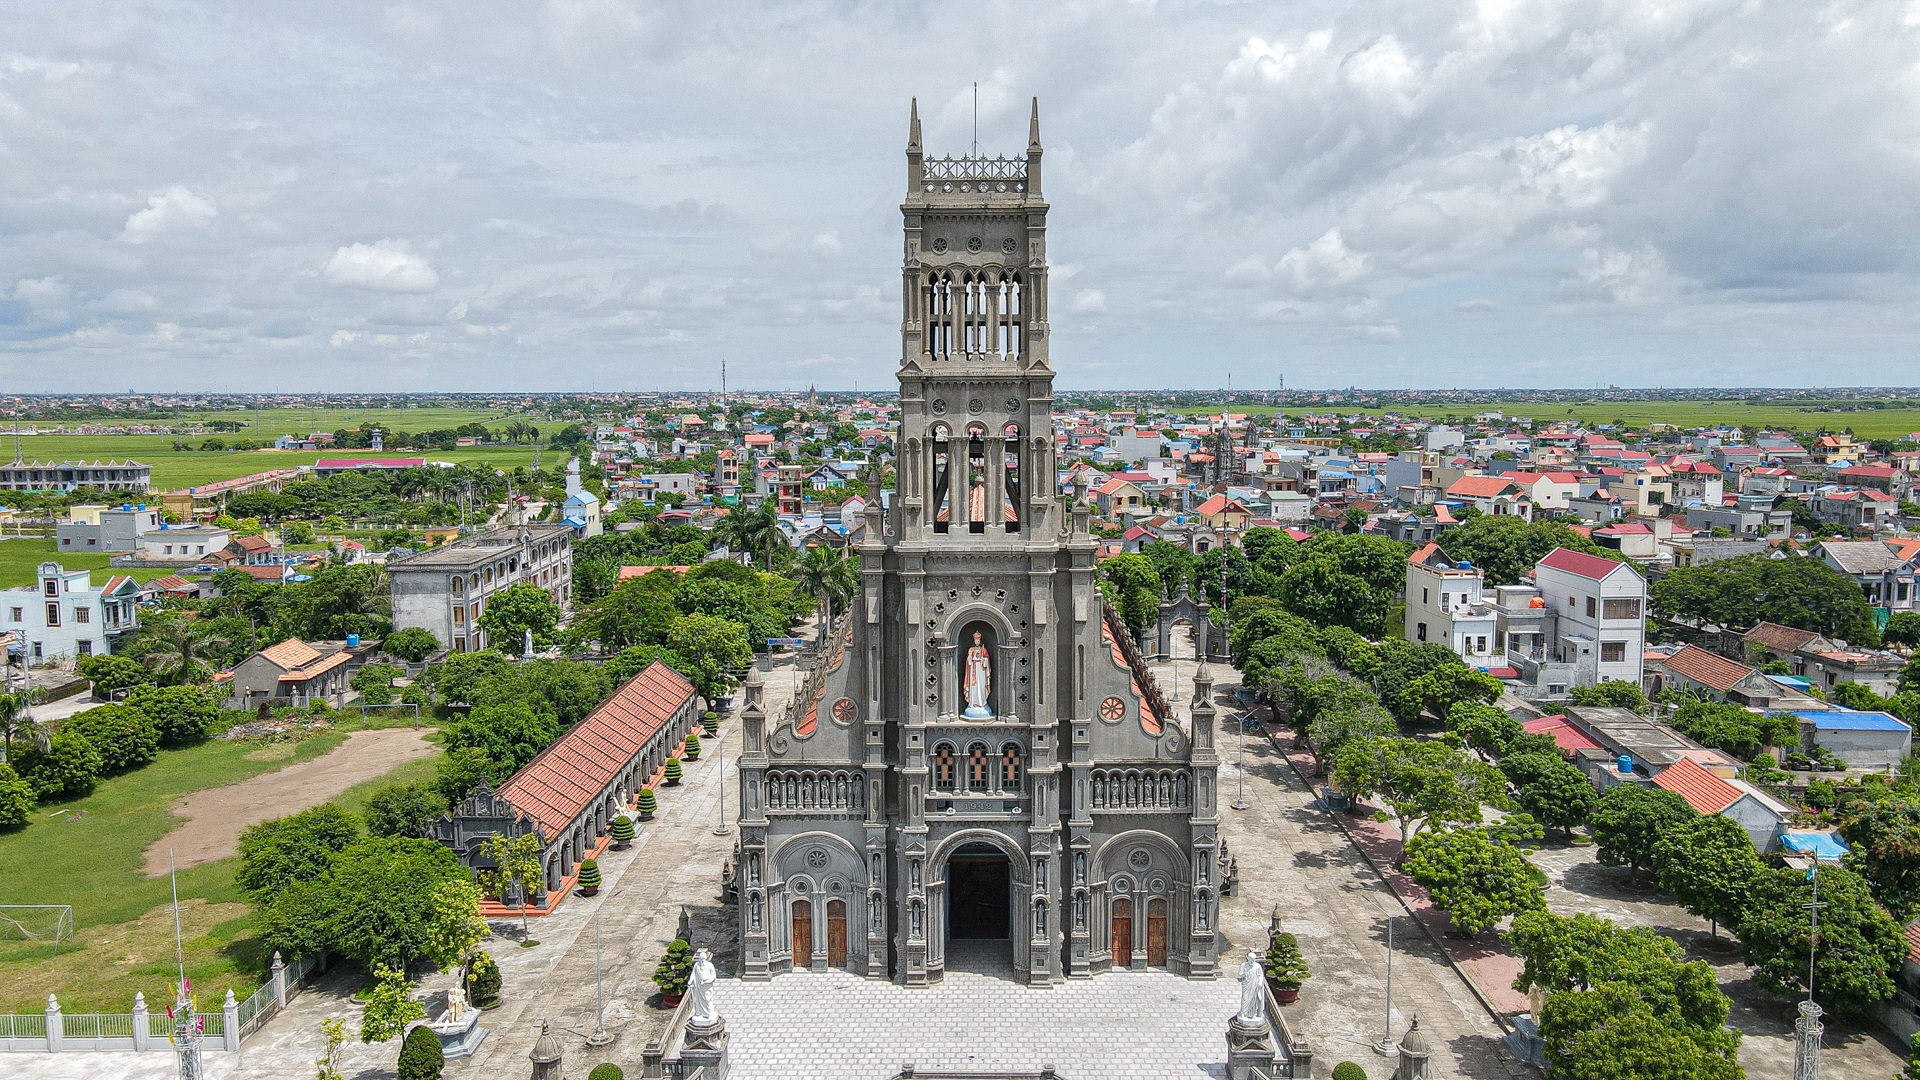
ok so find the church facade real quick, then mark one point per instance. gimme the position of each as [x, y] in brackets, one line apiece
[980, 754]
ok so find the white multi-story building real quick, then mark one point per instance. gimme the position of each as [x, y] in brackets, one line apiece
[445, 590]
[61, 616]
[1582, 621]
[1446, 604]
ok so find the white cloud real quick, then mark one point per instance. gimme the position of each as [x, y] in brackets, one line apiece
[1088, 302]
[342, 338]
[385, 265]
[46, 292]
[1639, 276]
[173, 210]
[1323, 264]
[828, 244]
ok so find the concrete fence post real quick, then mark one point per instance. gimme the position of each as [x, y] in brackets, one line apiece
[230, 1023]
[140, 1026]
[279, 970]
[53, 1024]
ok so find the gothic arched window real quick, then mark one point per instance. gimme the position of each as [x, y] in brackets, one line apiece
[978, 771]
[945, 767]
[1010, 767]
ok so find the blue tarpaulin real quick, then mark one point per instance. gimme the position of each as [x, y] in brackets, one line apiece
[1826, 847]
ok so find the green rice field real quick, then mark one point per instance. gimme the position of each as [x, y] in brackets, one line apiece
[1886, 423]
[21, 556]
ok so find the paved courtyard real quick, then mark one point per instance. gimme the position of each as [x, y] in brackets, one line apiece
[1147, 1025]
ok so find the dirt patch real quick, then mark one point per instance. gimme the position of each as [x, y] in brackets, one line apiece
[217, 816]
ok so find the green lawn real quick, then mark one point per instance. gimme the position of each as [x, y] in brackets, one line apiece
[175, 469]
[21, 556]
[90, 852]
[1866, 423]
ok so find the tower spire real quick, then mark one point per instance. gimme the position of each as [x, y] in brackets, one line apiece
[913, 127]
[1033, 129]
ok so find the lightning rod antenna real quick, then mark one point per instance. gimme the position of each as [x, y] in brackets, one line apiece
[976, 119]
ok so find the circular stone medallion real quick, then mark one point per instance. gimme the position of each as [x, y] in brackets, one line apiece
[1112, 709]
[844, 711]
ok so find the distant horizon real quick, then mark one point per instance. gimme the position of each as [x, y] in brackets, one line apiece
[1862, 392]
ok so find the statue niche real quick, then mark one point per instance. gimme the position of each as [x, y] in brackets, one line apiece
[978, 656]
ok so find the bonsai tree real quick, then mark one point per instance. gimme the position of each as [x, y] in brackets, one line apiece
[589, 877]
[483, 981]
[1286, 967]
[646, 804]
[674, 970]
[1346, 1070]
[710, 722]
[692, 750]
[420, 1055]
[622, 832]
[673, 772]
[606, 1070]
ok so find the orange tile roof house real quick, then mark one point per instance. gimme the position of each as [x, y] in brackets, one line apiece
[570, 792]
[1760, 814]
[290, 673]
[1695, 669]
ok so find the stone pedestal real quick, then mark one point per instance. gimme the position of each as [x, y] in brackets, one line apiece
[459, 1038]
[1525, 1041]
[705, 1046]
[1249, 1047]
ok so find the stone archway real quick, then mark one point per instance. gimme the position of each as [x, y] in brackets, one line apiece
[1208, 640]
[981, 878]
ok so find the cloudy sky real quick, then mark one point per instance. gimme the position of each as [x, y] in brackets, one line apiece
[619, 194]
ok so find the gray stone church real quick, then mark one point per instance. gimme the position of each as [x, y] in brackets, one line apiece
[980, 755]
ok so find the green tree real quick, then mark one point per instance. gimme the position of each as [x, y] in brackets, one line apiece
[1740, 592]
[179, 649]
[510, 733]
[390, 1006]
[1884, 849]
[1855, 696]
[710, 650]
[16, 798]
[1550, 788]
[1617, 693]
[1422, 782]
[459, 771]
[1316, 589]
[184, 715]
[515, 871]
[421, 1056]
[1439, 690]
[639, 611]
[109, 673]
[830, 578]
[755, 532]
[375, 902]
[462, 674]
[1859, 947]
[403, 809]
[125, 737]
[1484, 728]
[67, 768]
[1474, 879]
[1132, 586]
[1628, 821]
[1708, 863]
[1903, 628]
[285, 851]
[516, 610]
[1732, 728]
[454, 926]
[375, 683]
[1611, 1034]
[16, 720]
[412, 644]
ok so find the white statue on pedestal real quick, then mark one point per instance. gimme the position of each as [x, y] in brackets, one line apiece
[1253, 991]
[700, 989]
[978, 681]
[456, 1004]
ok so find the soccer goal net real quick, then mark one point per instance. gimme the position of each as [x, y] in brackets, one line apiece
[42, 923]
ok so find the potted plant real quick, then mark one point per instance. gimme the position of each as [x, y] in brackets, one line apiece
[673, 772]
[646, 804]
[483, 981]
[711, 722]
[1286, 968]
[622, 832]
[691, 751]
[674, 970]
[589, 877]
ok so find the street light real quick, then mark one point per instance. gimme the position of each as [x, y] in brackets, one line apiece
[1386, 1047]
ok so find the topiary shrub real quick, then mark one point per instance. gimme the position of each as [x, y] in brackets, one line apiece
[646, 804]
[483, 981]
[420, 1055]
[589, 877]
[673, 772]
[710, 722]
[692, 747]
[676, 967]
[1347, 1070]
[606, 1070]
[622, 832]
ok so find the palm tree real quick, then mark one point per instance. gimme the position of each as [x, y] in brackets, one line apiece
[756, 531]
[815, 573]
[179, 649]
[16, 718]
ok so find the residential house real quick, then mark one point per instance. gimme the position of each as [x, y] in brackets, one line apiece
[1893, 481]
[1116, 499]
[1760, 815]
[1582, 622]
[1876, 669]
[1876, 567]
[1692, 669]
[1768, 480]
[1744, 521]
[182, 545]
[1864, 740]
[1646, 492]
[110, 529]
[1446, 604]
[1224, 516]
[1855, 508]
[581, 510]
[335, 466]
[1831, 448]
[290, 673]
[1495, 495]
[61, 616]
[1769, 641]
[20, 475]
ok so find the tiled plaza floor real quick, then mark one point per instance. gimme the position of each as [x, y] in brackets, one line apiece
[1150, 1025]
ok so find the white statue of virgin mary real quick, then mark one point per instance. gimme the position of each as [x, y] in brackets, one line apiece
[977, 681]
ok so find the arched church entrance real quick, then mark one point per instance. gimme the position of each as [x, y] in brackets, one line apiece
[979, 894]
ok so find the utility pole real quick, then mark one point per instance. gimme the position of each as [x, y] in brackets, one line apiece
[1807, 1029]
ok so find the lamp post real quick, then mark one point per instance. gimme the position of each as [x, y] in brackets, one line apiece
[600, 1037]
[1386, 1046]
